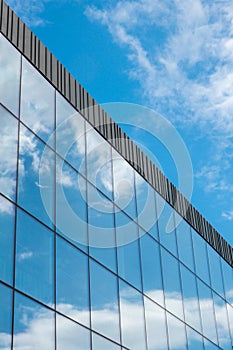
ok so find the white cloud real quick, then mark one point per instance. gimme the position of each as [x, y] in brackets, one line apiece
[25, 256]
[228, 215]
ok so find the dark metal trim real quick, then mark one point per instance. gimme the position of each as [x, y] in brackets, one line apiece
[33, 49]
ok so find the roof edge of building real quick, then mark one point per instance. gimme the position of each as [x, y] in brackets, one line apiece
[13, 28]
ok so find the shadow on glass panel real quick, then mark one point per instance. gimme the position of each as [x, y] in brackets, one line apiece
[172, 284]
[37, 102]
[5, 317]
[151, 269]
[124, 185]
[34, 259]
[8, 153]
[176, 333]
[70, 134]
[132, 318]
[9, 75]
[31, 170]
[195, 341]
[72, 293]
[71, 206]
[155, 326]
[70, 335]
[100, 343]
[104, 301]
[33, 325]
[146, 211]
[7, 224]
[99, 162]
[223, 330]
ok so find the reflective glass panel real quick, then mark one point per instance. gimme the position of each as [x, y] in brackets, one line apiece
[207, 311]
[166, 225]
[230, 318]
[132, 318]
[104, 301]
[99, 162]
[9, 75]
[155, 326]
[37, 102]
[101, 228]
[100, 343]
[228, 281]
[215, 271]
[209, 345]
[70, 335]
[33, 325]
[146, 211]
[7, 225]
[5, 317]
[223, 331]
[71, 206]
[124, 185]
[176, 333]
[36, 177]
[72, 282]
[201, 257]
[151, 269]
[195, 341]
[184, 241]
[34, 258]
[172, 287]
[190, 298]
[128, 254]
[70, 134]
[8, 153]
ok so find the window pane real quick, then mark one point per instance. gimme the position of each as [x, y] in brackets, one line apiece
[128, 254]
[166, 224]
[172, 287]
[5, 317]
[34, 258]
[176, 332]
[209, 345]
[201, 258]
[215, 271]
[224, 337]
[33, 325]
[100, 343]
[7, 224]
[72, 282]
[9, 75]
[37, 102]
[155, 326]
[124, 185]
[207, 311]
[146, 206]
[71, 206]
[184, 242]
[70, 335]
[132, 318]
[99, 162]
[195, 341]
[36, 178]
[151, 269]
[8, 153]
[70, 134]
[228, 280]
[230, 318]
[104, 301]
[190, 297]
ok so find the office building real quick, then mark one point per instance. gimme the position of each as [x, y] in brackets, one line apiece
[86, 260]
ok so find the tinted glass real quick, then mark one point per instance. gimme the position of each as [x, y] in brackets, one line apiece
[201, 257]
[151, 269]
[34, 258]
[132, 318]
[72, 282]
[104, 301]
[9, 75]
[228, 280]
[36, 177]
[33, 325]
[223, 331]
[5, 317]
[7, 225]
[215, 271]
[37, 102]
[8, 153]
[71, 335]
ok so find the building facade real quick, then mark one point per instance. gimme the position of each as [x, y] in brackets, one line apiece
[86, 260]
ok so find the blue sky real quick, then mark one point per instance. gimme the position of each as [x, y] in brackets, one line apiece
[172, 56]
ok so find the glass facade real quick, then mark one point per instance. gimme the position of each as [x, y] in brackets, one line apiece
[90, 255]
